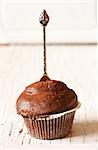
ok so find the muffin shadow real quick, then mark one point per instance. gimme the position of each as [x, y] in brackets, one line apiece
[85, 128]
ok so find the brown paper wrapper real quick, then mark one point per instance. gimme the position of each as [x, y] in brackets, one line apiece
[53, 127]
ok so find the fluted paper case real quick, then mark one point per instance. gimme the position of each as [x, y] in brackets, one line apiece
[52, 127]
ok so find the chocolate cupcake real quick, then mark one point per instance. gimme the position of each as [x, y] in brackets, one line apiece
[47, 106]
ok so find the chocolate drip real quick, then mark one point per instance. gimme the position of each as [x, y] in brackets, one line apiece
[44, 39]
[45, 78]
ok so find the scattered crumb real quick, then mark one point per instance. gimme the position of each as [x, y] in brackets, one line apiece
[20, 131]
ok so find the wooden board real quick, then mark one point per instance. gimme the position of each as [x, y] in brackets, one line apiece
[74, 65]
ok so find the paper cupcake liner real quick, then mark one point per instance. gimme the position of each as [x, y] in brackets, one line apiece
[52, 127]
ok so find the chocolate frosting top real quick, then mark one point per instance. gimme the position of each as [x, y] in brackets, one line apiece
[46, 97]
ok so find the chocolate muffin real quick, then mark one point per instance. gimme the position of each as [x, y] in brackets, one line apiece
[42, 102]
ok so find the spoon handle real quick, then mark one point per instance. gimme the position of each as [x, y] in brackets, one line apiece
[44, 19]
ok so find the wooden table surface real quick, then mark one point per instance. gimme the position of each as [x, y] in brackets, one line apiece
[74, 65]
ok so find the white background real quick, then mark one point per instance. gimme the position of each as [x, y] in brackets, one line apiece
[70, 20]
